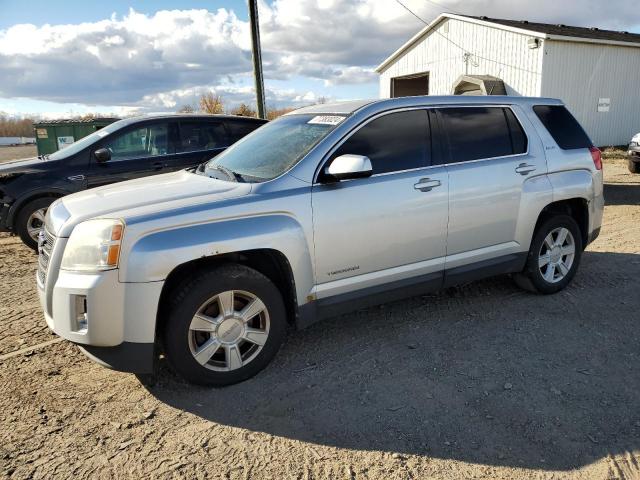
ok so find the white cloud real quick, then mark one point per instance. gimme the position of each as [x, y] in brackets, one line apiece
[168, 58]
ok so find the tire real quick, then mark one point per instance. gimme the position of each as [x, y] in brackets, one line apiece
[186, 336]
[25, 220]
[560, 267]
[634, 167]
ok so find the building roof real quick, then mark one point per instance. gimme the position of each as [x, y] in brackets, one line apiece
[592, 33]
[545, 31]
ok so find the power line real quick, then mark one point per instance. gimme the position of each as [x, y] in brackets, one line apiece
[468, 54]
[434, 30]
[446, 8]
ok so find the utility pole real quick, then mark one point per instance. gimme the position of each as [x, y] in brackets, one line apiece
[256, 54]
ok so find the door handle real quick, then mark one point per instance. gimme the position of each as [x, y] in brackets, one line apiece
[426, 184]
[525, 168]
[157, 166]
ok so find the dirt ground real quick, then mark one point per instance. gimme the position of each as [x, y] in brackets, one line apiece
[479, 381]
[14, 153]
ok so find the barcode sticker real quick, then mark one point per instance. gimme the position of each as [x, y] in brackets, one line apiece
[326, 120]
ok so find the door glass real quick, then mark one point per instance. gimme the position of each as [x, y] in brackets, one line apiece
[394, 142]
[196, 136]
[148, 141]
[476, 132]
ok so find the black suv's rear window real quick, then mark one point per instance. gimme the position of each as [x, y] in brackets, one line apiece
[564, 129]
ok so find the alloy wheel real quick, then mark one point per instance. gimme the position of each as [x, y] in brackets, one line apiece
[229, 330]
[35, 223]
[556, 255]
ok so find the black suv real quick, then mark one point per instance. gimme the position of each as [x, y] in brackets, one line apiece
[130, 148]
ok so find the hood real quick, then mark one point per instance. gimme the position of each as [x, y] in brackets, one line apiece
[25, 165]
[149, 195]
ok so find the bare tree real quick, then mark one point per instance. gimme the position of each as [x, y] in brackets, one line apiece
[211, 103]
[243, 110]
[187, 109]
[277, 112]
[15, 127]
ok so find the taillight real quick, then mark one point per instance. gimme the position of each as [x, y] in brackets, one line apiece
[596, 154]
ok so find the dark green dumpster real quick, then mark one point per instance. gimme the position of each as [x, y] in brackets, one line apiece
[52, 135]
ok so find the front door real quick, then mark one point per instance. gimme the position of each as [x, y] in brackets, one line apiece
[390, 227]
[136, 152]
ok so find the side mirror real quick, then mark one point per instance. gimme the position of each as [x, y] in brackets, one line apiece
[102, 155]
[349, 166]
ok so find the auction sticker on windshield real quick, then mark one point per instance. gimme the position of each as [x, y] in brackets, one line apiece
[326, 120]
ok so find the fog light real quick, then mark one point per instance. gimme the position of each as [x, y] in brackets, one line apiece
[80, 311]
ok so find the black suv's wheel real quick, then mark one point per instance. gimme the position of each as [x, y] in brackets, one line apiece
[554, 256]
[634, 167]
[30, 220]
[224, 325]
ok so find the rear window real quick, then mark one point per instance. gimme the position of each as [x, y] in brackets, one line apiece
[197, 136]
[475, 133]
[562, 126]
[240, 129]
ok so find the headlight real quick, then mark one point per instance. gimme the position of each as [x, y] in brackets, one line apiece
[94, 246]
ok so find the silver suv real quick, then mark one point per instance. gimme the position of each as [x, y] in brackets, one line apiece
[330, 208]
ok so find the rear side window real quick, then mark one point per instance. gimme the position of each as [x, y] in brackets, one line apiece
[394, 142]
[238, 130]
[562, 126]
[196, 136]
[518, 137]
[474, 133]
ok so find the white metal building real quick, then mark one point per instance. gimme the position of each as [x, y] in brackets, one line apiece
[595, 72]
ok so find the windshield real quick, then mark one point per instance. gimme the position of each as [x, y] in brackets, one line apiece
[274, 148]
[84, 142]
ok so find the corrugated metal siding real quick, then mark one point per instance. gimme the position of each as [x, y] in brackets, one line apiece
[581, 73]
[495, 52]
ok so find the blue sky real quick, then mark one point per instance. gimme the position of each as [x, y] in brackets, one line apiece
[54, 12]
[64, 58]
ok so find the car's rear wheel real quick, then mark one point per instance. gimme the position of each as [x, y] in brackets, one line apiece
[553, 257]
[224, 326]
[30, 220]
[634, 167]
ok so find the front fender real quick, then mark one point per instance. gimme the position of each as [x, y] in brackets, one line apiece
[153, 256]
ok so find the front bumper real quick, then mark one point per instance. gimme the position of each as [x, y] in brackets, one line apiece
[633, 152]
[113, 322]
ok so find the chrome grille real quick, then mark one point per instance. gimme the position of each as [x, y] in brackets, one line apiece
[46, 242]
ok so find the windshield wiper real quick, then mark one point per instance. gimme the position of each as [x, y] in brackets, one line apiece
[235, 176]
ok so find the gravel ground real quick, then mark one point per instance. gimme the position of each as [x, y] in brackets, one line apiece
[479, 381]
[14, 153]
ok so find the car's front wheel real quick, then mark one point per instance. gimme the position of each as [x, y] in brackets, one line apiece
[224, 325]
[634, 167]
[553, 257]
[30, 220]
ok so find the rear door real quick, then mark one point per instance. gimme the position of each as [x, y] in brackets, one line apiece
[197, 142]
[389, 227]
[488, 164]
[137, 151]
